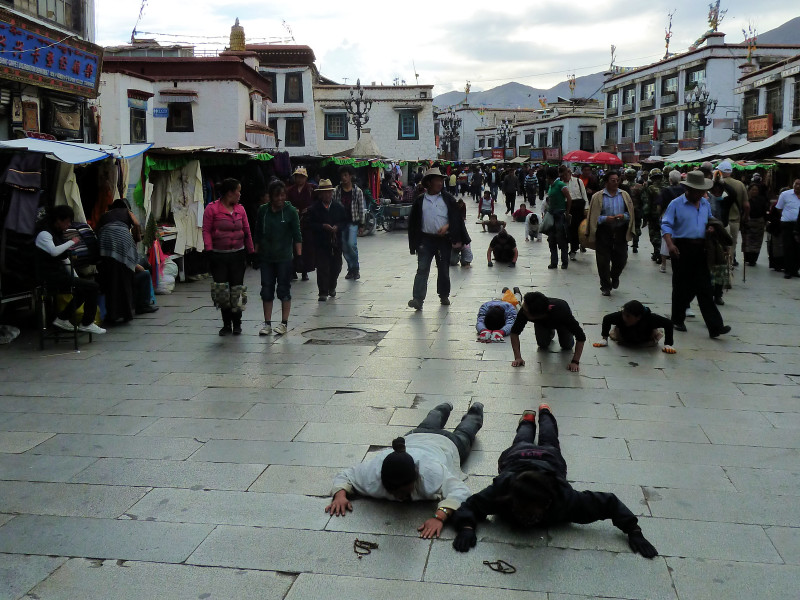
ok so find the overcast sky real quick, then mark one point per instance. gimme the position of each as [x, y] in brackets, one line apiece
[449, 42]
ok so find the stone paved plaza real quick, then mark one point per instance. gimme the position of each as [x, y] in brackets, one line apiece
[162, 461]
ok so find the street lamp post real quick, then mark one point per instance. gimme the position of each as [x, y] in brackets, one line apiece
[358, 108]
[698, 100]
[451, 125]
[503, 131]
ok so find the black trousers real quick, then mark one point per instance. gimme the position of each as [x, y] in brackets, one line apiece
[548, 437]
[558, 239]
[791, 250]
[83, 292]
[576, 212]
[464, 434]
[329, 266]
[433, 247]
[545, 335]
[690, 278]
[611, 253]
[229, 267]
[511, 199]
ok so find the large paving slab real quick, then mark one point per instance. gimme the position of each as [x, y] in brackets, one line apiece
[298, 551]
[102, 538]
[94, 580]
[19, 573]
[712, 580]
[67, 499]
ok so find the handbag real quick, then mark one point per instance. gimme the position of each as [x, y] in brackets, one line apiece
[583, 235]
[548, 223]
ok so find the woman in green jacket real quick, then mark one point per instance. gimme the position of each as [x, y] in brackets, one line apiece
[277, 234]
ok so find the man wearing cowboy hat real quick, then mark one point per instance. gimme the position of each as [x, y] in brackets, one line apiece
[350, 196]
[684, 228]
[327, 220]
[301, 196]
[435, 225]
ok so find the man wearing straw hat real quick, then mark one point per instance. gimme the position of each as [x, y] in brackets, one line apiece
[684, 228]
[435, 226]
[327, 221]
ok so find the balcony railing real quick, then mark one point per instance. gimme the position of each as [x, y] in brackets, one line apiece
[647, 102]
[669, 98]
[627, 107]
[668, 136]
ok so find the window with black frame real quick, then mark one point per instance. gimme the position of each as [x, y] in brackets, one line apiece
[293, 88]
[179, 117]
[138, 126]
[295, 136]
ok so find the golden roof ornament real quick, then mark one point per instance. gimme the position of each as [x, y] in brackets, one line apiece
[237, 43]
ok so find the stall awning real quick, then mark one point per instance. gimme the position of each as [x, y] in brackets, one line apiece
[794, 154]
[717, 150]
[763, 144]
[75, 153]
[518, 160]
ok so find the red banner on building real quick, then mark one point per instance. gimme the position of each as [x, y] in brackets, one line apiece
[759, 128]
[497, 153]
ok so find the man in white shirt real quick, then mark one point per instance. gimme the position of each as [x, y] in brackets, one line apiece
[422, 466]
[435, 226]
[789, 205]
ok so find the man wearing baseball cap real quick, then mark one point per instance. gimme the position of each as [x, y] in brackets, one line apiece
[683, 228]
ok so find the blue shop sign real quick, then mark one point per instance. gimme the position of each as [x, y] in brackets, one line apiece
[38, 56]
[160, 112]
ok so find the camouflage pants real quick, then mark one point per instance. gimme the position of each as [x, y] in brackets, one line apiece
[654, 231]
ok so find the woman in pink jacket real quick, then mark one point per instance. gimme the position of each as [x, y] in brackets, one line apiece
[227, 240]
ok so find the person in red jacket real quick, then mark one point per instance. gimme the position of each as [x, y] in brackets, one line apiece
[227, 240]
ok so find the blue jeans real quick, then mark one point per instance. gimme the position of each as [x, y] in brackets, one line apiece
[350, 246]
[432, 247]
[279, 273]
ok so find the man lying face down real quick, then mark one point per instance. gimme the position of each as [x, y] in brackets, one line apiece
[531, 489]
[423, 465]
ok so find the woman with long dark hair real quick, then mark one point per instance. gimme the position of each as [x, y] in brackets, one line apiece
[227, 240]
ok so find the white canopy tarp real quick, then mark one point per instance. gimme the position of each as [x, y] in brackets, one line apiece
[793, 154]
[75, 153]
[763, 144]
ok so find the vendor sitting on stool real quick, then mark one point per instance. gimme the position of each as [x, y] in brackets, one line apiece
[504, 248]
[635, 324]
[54, 269]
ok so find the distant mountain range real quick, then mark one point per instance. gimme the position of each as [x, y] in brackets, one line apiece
[518, 95]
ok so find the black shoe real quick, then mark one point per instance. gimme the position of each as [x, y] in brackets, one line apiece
[237, 329]
[322, 298]
[787, 276]
[719, 332]
[735, 263]
[564, 265]
[605, 291]
[477, 407]
[356, 274]
[614, 283]
[719, 301]
[294, 277]
[635, 250]
[679, 326]
[512, 265]
[349, 275]
[552, 266]
[305, 277]
[332, 293]
[658, 259]
[146, 309]
[226, 330]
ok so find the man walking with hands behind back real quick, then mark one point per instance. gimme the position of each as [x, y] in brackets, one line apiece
[434, 227]
[684, 227]
[349, 195]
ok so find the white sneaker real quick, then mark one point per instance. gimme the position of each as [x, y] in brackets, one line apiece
[663, 268]
[690, 313]
[265, 330]
[64, 324]
[279, 329]
[91, 328]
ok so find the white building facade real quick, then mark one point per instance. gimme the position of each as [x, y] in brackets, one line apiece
[637, 99]
[400, 120]
[172, 102]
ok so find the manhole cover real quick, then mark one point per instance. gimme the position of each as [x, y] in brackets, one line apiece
[342, 335]
[335, 334]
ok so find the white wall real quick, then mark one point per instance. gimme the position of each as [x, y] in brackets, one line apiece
[218, 116]
[383, 120]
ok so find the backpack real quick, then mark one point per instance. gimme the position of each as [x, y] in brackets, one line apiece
[86, 253]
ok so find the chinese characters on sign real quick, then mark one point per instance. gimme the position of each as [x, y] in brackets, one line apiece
[759, 128]
[32, 57]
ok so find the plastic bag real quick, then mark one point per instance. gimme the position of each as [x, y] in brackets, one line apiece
[166, 285]
[548, 222]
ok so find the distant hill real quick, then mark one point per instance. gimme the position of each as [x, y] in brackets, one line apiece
[788, 33]
[513, 94]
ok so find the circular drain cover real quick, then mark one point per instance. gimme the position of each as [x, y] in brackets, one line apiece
[335, 334]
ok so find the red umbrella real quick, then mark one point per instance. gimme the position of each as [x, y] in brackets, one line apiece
[576, 156]
[604, 158]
